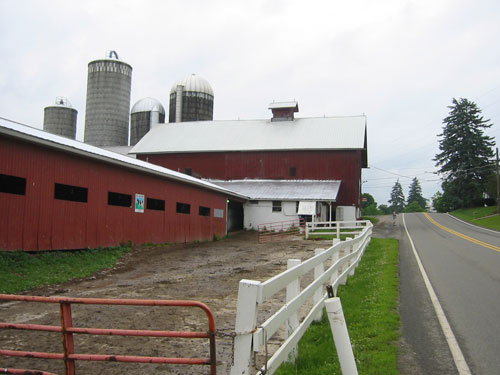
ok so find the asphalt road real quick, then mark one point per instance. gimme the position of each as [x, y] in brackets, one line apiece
[466, 278]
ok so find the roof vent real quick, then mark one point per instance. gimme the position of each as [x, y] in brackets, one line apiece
[112, 55]
[62, 101]
[283, 111]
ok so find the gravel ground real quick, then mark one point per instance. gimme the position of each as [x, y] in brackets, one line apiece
[208, 272]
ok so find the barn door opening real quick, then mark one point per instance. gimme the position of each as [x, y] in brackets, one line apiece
[234, 216]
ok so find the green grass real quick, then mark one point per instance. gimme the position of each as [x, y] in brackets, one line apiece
[478, 215]
[374, 220]
[370, 304]
[21, 271]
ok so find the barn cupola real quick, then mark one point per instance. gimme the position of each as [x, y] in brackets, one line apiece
[283, 111]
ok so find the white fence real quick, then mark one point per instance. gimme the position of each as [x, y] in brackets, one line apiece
[252, 338]
[336, 228]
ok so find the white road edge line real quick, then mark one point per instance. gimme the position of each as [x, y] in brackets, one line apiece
[472, 225]
[456, 352]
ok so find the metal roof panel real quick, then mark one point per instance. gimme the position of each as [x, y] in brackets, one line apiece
[35, 135]
[291, 190]
[322, 133]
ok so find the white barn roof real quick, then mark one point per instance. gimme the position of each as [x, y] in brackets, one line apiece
[322, 133]
[38, 136]
[292, 190]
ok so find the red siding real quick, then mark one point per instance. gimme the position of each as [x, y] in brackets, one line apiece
[37, 221]
[315, 165]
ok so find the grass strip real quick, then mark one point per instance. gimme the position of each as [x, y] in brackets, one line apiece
[21, 270]
[483, 216]
[370, 304]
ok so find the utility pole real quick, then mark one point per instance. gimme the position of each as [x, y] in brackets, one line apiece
[498, 187]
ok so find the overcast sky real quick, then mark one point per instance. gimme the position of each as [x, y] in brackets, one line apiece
[399, 62]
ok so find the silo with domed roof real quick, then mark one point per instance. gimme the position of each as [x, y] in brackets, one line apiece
[144, 114]
[191, 99]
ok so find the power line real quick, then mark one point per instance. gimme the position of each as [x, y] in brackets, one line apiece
[486, 93]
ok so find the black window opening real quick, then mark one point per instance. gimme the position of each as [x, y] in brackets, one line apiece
[204, 211]
[183, 208]
[293, 171]
[119, 199]
[276, 206]
[254, 202]
[188, 171]
[12, 184]
[155, 204]
[70, 193]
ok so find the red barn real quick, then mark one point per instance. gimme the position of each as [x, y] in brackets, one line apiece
[280, 148]
[57, 193]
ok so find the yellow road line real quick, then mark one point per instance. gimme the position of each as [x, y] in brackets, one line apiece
[473, 240]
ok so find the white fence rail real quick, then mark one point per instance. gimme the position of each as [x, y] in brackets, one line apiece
[252, 338]
[335, 228]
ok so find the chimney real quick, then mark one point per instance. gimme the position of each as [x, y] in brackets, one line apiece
[283, 111]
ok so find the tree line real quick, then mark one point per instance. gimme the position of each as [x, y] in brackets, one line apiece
[414, 203]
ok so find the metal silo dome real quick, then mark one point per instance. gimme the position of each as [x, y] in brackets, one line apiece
[191, 99]
[148, 105]
[144, 115]
[195, 83]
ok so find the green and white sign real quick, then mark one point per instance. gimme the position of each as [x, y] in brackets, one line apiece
[139, 203]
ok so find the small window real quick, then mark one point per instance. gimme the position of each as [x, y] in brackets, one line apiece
[188, 171]
[155, 204]
[183, 208]
[12, 184]
[293, 171]
[276, 206]
[119, 199]
[254, 202]
[70, 193]
[204, 211]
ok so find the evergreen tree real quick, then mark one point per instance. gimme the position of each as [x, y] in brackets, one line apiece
[465, 155]
[415, 194]
[397, 200]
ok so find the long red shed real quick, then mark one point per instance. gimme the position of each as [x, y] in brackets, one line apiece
[57, 193]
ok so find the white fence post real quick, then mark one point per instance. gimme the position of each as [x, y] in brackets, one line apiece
[335, 257]
[347, 249]
[341, 336]
[351, 272]
[318, 294]
[292, 291]
[246, 318]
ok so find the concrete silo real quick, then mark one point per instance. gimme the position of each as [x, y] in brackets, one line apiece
[144, 114]
[191, 99]
[60, 118]
[108, 102]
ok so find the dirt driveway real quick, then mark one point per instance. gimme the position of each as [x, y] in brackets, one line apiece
[208, 272]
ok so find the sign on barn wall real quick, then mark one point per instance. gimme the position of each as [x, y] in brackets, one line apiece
[139, 203]
[307, 208]
[218, 212]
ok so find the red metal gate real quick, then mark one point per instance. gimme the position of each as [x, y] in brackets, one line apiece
[67, 330]
[269, 232]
